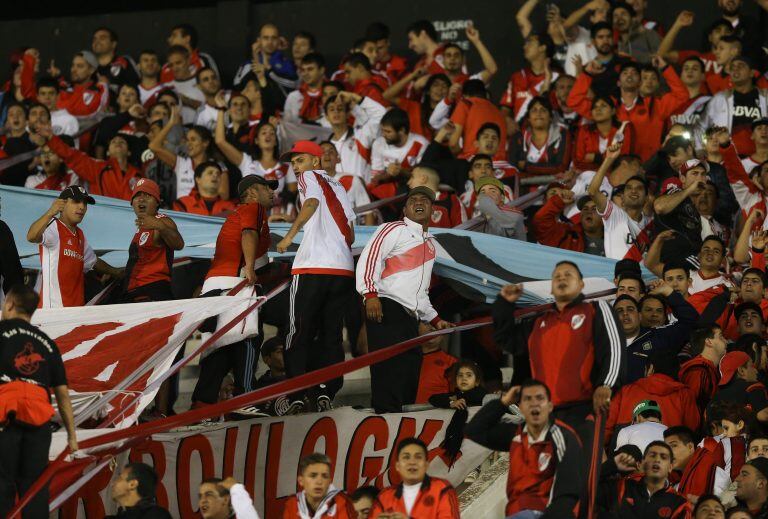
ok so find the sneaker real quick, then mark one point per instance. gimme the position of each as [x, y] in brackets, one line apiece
[324, 404]
[251, 411]
[285, 407]
[472, 476]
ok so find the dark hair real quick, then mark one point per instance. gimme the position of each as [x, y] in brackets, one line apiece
[255, 150]
[706, 45]
[453, 45]
[112, 34]
[334, 83]
[542, 101]
[474, 88]
[632, 275]
[756, 271]
[621, 4]
[696, 59]
[465, 363]
[397, 118]
[204, 69]
[17, 104]
[48, 81]
[204, 133]
[187, 30]
[313, 459]
[718, 239]
[675, 143]
[151, 52]
[733, 39]
[358, 59]
[648, 297]
[426, 108]
[676, 265]
[200, 168]
[307, 36]
[423, 25]
[221, 489]
[271, 345]
[410, 441]
[146, 477]
[736, 509]
[658, 443]
[610, 101]
[489, 126]
[480, 156]
[664, 362]
[39, 105]
[377, 31]
[370, 492]
[701, 334]
[546, 40]
[599, 26]
[532, 382]
[626, 297]
[24, 298]
[685, 434]
[331, 99]
[756, 437]
[568, 262]
[314, 57]
[177, 49]
[735, 412]
[167, 92]
[651, 68]
[703, 499]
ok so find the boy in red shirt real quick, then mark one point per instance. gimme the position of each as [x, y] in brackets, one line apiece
[318, 498]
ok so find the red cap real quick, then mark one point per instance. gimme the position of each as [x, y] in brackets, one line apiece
[693, 163]
[730, 363]
[145, 185]
[302, 147]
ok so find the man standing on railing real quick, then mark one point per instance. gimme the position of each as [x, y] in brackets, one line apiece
[576, 348]
[393, 276]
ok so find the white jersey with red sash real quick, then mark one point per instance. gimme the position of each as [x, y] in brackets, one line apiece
[65, 256]
[384, 154]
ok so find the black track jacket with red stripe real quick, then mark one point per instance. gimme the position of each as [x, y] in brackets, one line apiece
[572, 351]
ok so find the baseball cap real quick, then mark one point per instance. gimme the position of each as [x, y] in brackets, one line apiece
[78, 194]
[308, 147]
[761, 464]
[730, 362]
[693, 163]
[645, 405]
[148, 186]
[760, 122]
[252, 180]
[422, 190]
[627, 266]
[90, 57]
[488, 181]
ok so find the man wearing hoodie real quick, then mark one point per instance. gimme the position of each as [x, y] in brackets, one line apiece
[642, 342]
[676, 402]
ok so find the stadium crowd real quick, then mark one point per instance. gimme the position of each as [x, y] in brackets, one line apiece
[610, 141]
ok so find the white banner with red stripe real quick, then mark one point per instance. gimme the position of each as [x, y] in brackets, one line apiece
[264, 454]
[112, 353]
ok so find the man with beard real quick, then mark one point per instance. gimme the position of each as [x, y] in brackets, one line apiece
[752, 487]
[119, 70]
[149, 70]
[627, 228]
[575, 348]
[608, 62]
[646, 493]
[554, 229]
[396, 298]
[634, 39]
[84, 96]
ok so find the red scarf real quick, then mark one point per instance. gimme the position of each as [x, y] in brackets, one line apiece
[312, 105]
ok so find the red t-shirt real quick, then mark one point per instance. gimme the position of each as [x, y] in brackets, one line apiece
[472, 113]
[228, 258]
[432, 378]
[147, 262]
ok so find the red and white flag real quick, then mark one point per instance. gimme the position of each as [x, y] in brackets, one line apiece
[112, 353]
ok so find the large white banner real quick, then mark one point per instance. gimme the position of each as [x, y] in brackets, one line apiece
[264, 454]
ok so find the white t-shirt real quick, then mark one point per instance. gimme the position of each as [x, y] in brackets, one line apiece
[185, 176]
[207, 116]
[189, 89]
[358, 196]
[325, 247]
[408, 155]
[620, 230]
[699, 284]
[147, 94]
[281, 172]
[641, 434]
[410, 493]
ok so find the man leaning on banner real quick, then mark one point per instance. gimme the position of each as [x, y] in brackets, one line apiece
[30, 365]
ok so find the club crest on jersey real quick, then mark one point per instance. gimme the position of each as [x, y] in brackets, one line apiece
[88, 97]
[143, 238]
[577, 320]
[114, 70]
[544, 459]
[27, 362]
[436, 216]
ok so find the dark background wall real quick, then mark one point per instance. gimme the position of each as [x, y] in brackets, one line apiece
[227, 27]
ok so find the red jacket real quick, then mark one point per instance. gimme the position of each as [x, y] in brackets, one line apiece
[104, 177]
[572, 351]
[195, 204]
[727, 454]
[648, 114]
[436, 500]
[677, 402]
[727, 320]
[340, 507]
[588, 142]
[554, 230]
[701, 376]
[83, 100]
